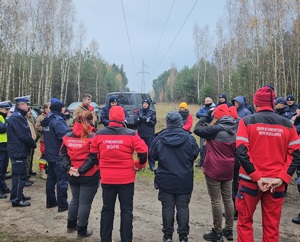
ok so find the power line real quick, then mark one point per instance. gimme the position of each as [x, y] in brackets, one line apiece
[163, 31]
[177, 34]
[128, 35]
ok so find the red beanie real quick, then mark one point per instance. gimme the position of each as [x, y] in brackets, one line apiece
[264, 97]
[116, 113]
[221, 111]
[233, 112]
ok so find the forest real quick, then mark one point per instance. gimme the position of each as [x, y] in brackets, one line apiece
[42, 53]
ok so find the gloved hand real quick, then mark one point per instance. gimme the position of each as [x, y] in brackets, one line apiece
[143, 118]
[148, 119]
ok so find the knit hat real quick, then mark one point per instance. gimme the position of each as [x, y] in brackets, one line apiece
[116, 114]
[290, 97]
[174, 120]
[183, 105]
[56, 104]
[146, 101]
[281, 100]
[112, 99]
[222, 95]
[220, 111]
[233, 112]
[264, 97]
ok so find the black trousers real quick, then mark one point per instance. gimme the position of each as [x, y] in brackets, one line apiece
[169, 202]
[109, 194]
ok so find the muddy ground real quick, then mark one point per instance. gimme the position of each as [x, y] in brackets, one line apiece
[36, 223]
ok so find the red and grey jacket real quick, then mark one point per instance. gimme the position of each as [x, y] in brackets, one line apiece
[115, 147]
[267, 146]
[220, 146]
[75, 152]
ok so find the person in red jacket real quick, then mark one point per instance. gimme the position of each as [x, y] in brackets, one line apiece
[83, 173]
[268, 150]
[187, 118]
[114, 145]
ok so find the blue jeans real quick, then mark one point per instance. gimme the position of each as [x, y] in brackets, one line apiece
[169, 201]
[109, 194]
[81, 202]
[58, 177]
[18, 179]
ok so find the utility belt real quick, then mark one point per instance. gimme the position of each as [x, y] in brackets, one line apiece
[251, 188]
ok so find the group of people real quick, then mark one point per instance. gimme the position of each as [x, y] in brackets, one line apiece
[245, 157]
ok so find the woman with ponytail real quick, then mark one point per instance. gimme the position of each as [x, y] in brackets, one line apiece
[83, 173]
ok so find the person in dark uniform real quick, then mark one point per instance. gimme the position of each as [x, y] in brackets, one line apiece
[145, 118]
[4, 109]
[105, 111]
[19, 144]
[54, 128]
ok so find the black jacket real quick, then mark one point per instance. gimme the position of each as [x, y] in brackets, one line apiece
[146, 121]
[175, 149]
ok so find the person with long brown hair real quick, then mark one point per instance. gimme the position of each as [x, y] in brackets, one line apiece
[83, 173]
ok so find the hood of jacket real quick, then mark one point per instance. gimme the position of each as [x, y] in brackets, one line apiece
[227, 122]
[174, 137]
[240, 100]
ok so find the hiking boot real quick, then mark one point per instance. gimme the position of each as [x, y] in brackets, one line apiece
[213, 236]
[43, 175]
[296, 220]
[228, 234]
[72, 226]
[5, 190]
[183, 238]
[167, 238]
[84, 232]
[2, 195]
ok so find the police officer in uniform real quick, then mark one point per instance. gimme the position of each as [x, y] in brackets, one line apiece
[4, 110]
[19, 143]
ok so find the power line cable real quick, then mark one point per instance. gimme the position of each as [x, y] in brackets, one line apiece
[163, 31]
[128, 36]
[177, 34]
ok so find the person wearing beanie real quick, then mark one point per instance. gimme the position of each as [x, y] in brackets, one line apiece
[269, 153]
[291, 104]
[83, 174]
[19, 145]
[281, 107]
[145, 119]
[187, 118]
[208, 105]
[54, 129]
[223, 100]
[112, 101]
[218, 168]
[175, 150]
[114, 146]
[239, 103]
[86, 106]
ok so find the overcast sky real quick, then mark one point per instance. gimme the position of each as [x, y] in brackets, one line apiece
[152, 27]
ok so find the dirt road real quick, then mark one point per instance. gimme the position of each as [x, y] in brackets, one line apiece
[36, 223]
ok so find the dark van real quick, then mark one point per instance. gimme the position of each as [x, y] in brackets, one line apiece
[131, 101]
